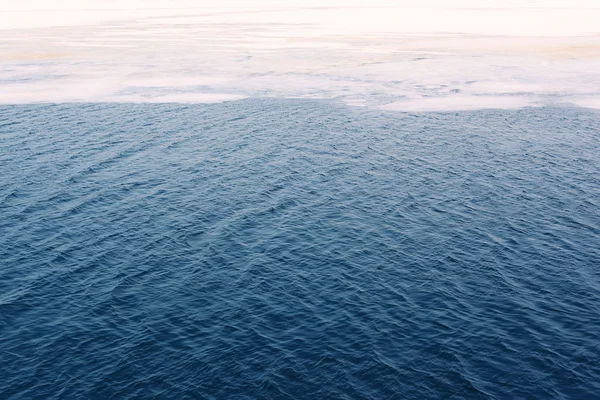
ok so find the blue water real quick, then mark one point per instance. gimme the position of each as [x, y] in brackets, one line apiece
[272, 249]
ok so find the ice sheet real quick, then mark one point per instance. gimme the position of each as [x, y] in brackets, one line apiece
[408, 55]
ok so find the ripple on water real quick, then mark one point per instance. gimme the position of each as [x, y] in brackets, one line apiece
[273, 249]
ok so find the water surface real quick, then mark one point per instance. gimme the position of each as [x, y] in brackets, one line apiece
[283, 248]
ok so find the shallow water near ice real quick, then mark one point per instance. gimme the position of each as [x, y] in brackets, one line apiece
[293, 248]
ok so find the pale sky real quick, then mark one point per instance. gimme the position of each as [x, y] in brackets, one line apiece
[509, 17]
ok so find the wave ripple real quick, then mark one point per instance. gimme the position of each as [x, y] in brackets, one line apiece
[277, 249]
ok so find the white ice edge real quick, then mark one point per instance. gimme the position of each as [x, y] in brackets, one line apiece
[460, 103]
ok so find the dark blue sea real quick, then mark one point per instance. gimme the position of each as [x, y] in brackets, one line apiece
[278, 249]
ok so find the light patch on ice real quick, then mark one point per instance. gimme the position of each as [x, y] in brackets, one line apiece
[458, 103]
[178, 98]
[177, 81]
[587, 102]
